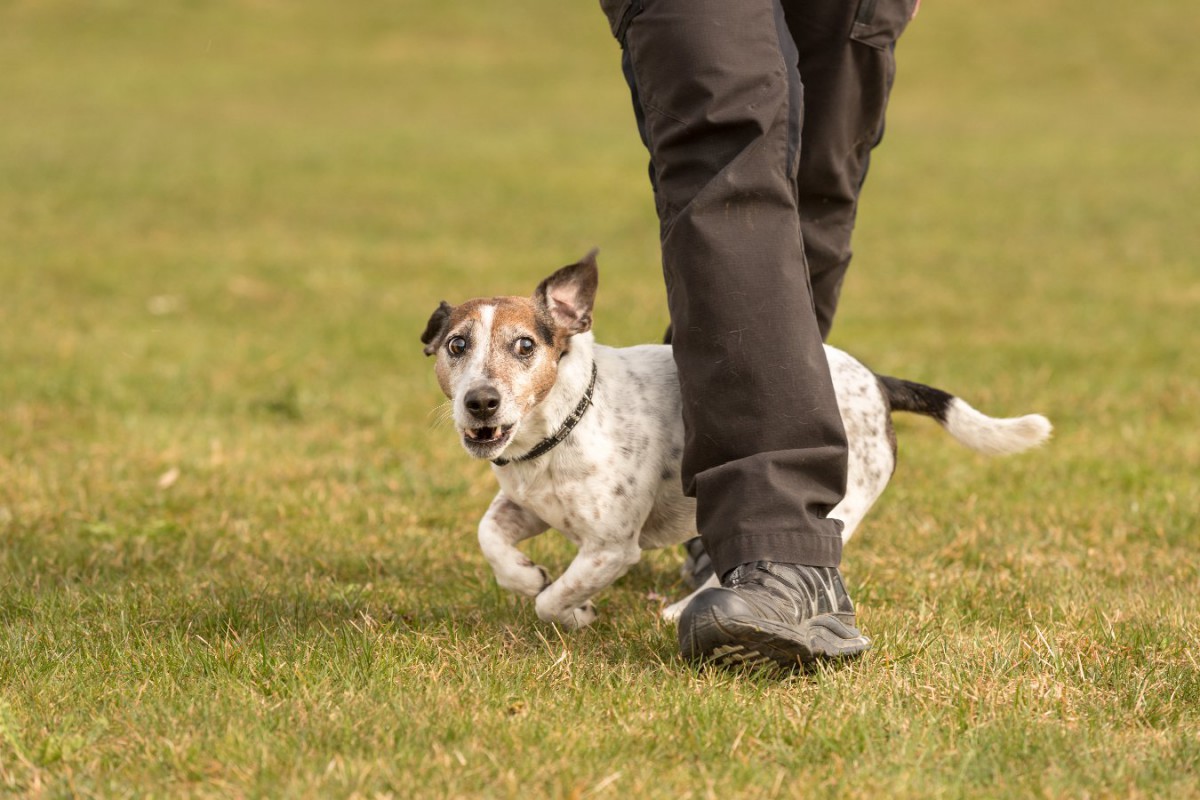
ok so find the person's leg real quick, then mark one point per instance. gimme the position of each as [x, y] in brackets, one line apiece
[846, 60]
[765, 455]
[847, 64]
[719, 105]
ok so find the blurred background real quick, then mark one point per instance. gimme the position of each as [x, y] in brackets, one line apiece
[223, 225]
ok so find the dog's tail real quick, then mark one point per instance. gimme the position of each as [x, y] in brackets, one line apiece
[976, 430]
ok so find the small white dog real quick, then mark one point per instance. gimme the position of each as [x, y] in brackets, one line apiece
[588, 439]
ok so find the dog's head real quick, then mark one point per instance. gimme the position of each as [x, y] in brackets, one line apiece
[497, 358]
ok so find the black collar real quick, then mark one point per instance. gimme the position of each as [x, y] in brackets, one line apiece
[550, 442]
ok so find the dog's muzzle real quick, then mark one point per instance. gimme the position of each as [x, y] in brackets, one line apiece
[486, 441]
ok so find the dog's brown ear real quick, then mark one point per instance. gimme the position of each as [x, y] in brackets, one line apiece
[569, 294]
[435, 331]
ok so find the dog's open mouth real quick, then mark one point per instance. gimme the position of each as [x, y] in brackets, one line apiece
[487, 436]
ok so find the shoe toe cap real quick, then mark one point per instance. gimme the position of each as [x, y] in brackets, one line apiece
[720, 600]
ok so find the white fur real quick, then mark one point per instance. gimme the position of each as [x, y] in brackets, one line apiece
[995, 437]
[476, 368]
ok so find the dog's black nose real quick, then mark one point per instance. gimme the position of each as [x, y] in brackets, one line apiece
[482, 402]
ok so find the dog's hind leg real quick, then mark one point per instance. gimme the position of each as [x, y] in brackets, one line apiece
[567, 600]
[504, 525]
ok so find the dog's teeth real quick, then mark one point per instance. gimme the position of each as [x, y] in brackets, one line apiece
[483, 434]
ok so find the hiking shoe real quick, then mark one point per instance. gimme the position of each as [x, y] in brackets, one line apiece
[786, 614]
[697, 567]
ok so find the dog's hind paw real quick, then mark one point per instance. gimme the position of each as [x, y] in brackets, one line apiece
[672, 612]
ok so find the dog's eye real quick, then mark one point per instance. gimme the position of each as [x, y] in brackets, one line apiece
[457, 345]
[524, 346]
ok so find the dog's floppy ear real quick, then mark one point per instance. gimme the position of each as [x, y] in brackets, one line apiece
[569, 294]
[435, 331]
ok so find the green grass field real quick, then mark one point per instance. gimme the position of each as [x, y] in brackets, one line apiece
[237, 549]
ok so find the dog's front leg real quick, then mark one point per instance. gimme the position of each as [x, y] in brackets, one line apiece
[567, 601]
[504, 525]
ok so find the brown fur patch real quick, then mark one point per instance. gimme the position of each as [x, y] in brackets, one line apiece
[496, 324]
[516, 318]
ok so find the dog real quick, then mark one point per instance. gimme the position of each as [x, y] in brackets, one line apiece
[588, 439]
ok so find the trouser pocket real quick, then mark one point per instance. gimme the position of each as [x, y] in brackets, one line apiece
[879, 23]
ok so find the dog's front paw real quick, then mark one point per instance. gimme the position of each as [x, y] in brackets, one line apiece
[570, 618]
[527, 580]
[581, 616]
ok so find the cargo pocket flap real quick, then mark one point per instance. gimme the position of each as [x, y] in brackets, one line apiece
[615, 11]
[879, 23]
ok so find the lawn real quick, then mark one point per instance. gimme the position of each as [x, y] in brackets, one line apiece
[237, 549]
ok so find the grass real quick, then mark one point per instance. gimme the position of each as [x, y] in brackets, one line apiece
[237, 555]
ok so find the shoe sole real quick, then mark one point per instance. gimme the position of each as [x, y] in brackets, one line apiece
[734, 642]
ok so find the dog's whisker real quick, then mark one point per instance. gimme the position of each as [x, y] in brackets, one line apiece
[441, 415]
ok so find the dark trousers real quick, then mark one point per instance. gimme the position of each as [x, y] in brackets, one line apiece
[759, 116]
